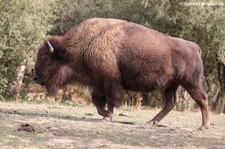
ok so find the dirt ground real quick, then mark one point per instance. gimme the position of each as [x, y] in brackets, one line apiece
[56, 126]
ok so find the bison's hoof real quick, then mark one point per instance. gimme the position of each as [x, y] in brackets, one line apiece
[108, 119]
[203, 127]
[153, 123]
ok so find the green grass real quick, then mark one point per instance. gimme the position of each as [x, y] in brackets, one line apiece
[60, 126]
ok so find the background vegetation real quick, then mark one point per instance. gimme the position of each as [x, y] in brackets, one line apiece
[25, 24]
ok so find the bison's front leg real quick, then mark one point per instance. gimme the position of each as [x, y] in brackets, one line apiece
[170, 100]
[99, 101]
[109, 113]
[114, 95]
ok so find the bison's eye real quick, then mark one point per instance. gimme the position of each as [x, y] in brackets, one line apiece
[46, 58]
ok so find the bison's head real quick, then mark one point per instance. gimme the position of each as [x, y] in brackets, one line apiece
[52, 65]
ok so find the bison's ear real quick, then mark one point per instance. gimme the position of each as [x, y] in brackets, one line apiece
[56, 48]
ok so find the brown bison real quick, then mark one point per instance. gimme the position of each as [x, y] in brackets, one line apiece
[111, 56]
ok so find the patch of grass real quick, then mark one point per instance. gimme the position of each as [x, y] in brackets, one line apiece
[60, 126]
[74, 104]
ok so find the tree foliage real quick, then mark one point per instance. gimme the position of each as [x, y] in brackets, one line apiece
[23, 26]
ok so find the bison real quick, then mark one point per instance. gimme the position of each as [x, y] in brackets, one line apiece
[111, 56]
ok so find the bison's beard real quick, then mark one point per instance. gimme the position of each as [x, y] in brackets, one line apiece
[58, 80]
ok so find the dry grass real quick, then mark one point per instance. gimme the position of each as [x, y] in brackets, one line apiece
[58, 126]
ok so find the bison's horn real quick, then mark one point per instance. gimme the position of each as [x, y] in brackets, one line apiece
[50, 47]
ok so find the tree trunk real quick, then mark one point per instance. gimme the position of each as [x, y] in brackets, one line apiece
[19, 81]
[138, 99]
[219, 104]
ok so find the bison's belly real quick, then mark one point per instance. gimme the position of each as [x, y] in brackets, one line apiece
[145, 83]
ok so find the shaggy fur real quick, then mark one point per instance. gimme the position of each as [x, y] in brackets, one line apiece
[112, 55]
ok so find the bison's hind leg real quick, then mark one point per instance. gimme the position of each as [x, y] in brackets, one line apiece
[170, 99]
[200, 97]
[195, 89]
